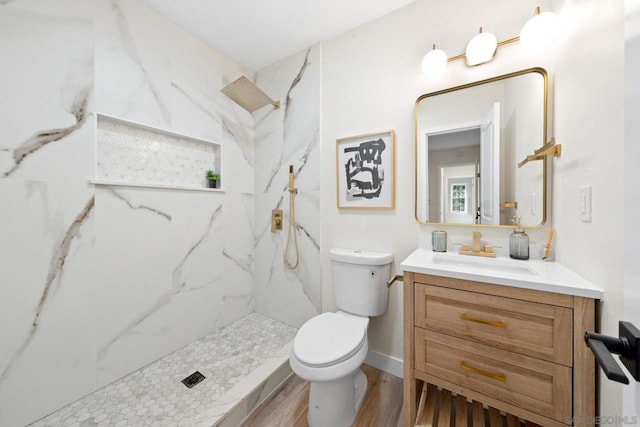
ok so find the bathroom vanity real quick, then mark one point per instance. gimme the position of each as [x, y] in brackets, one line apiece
[506, 335]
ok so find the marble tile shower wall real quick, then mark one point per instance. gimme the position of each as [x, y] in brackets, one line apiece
[289, 136]
[98, 281]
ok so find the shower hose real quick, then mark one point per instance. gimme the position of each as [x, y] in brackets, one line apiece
[291, 230]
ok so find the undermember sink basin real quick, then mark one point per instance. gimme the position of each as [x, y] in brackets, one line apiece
[504, 265]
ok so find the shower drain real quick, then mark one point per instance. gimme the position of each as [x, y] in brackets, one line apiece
[193, 379]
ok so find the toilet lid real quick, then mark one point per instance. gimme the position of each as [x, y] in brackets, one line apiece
[328, 338]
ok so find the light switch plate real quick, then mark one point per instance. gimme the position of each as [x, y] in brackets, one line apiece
[584, 201]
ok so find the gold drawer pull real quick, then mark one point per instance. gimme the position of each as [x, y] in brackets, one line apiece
[497, 377]
[484, 322]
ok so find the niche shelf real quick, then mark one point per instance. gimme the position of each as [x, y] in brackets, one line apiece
[136, 155]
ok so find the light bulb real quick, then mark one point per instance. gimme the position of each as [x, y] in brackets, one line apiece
[539, 30]
[481, 48]
[434, 62]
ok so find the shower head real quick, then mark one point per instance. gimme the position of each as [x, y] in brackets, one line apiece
[247, 95]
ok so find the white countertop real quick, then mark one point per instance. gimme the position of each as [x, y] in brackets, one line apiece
[531, 274]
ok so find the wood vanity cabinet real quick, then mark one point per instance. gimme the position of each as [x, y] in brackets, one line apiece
[520, 351]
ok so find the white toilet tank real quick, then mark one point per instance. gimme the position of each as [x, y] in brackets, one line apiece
[360, 280]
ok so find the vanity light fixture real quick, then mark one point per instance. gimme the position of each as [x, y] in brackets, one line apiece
[482, 48]
[434, 62]
[539, 30]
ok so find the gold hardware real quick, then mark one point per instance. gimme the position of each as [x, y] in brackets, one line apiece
[495, 324]
[394, 278]
[463, 246]
[548, 149]
[547, 244]
[479, 253]
[513, 205]
[497, 377]
[246, 94]
[476, 247]
[489, 248]
[276, 220]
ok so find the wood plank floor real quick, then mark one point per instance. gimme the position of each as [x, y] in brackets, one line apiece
[382, 406]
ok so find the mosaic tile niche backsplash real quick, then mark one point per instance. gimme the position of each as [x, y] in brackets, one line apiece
[129, 153]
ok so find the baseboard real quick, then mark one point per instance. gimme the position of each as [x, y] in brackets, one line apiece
[389, 364]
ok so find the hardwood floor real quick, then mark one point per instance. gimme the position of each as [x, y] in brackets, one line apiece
[382, 406]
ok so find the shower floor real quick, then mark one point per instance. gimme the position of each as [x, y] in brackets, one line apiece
[242, 363]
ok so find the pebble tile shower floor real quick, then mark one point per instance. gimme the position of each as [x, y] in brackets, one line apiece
[155, 396]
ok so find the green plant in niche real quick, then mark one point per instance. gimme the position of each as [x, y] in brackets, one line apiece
[212, 178]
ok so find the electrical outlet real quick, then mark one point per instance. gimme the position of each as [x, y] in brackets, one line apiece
[584, 203]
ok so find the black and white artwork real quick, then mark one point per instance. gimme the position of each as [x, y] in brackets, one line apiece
[365, 174]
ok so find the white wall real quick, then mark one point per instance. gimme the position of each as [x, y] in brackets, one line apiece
[631, 394]
[589, 120]
[113, 278]
[371, 78]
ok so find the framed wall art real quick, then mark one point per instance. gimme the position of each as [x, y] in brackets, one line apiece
[365, 171]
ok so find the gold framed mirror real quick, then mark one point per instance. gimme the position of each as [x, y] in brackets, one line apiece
[469, 140]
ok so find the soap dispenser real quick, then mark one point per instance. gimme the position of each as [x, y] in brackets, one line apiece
[518, 241]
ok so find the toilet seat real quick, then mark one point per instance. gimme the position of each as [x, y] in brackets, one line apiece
[328, 339]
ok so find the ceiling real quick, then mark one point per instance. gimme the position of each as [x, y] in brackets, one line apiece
[258, 33]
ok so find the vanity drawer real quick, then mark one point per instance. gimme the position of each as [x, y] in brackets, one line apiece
[538, 330]
[540, 386]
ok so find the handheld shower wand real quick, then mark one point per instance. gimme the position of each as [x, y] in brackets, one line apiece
[292, 224]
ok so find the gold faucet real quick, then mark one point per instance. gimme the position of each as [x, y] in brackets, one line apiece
[476, 247]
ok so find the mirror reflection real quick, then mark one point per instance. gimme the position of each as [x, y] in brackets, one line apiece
[469, 141]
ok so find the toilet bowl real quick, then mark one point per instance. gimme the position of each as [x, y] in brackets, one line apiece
[330, 346]
[329, 349]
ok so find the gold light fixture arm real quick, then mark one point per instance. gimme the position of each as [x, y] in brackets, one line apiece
[502, 43]
[548, 149]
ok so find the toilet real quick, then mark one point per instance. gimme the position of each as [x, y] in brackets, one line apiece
[329, 348]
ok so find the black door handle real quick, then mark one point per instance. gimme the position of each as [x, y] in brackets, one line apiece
[627, 346]
[604, 358]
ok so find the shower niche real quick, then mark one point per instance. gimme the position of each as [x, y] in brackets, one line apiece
[137, 155]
